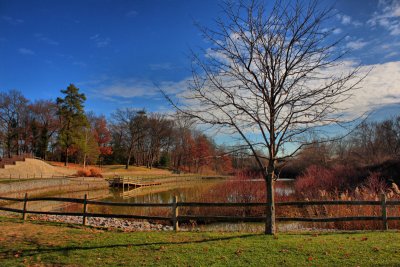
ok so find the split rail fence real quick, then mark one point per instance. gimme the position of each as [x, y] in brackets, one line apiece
[175, 218]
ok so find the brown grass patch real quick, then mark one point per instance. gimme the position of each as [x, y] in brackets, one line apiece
[40, 233]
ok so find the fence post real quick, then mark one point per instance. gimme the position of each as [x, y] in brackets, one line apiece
[175, 214]
[24, 209]
[84, 210]
[384, 212]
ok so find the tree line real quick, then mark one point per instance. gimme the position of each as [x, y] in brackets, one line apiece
[371, 143]
[61, 130]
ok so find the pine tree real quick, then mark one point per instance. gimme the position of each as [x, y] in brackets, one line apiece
[72, 117]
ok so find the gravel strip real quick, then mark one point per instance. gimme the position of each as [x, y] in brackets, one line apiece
[124, 225]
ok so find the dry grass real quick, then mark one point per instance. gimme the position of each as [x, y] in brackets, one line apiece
[33, 167]
[133, 170]
[111, 170]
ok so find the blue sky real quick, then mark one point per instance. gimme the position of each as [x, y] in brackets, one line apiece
[118, 52]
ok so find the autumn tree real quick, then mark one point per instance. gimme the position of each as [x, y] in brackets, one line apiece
[72, 118]
[203, 154]
[183, 140]
[102, 136]
[270, 75]
[87, 145]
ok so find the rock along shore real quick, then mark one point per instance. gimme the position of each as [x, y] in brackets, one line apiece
[121, 224]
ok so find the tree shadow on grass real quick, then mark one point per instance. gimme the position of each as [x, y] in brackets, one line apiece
[67, 249]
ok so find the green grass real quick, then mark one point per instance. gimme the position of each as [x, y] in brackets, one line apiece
[46, 244]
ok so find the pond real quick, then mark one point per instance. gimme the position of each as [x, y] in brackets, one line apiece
[208, 190]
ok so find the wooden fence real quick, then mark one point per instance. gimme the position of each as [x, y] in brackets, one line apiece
[175, 218]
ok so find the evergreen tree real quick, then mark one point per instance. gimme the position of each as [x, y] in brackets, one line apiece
[72, 118]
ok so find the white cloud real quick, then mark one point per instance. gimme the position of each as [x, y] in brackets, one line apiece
[347, 20]
[100, 41]
[25, 51]
[381, 87]
[132, 88]
[11, 20]
[390, 45]
[387, 17]
[357, 44]
[392, 54]
[337, 31]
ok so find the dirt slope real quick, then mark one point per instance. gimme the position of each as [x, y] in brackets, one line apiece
[33, 167]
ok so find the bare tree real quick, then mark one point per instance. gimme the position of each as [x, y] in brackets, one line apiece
[267, 78]
[158, 137]
[13, 111]
[131, 124]
[44, 125]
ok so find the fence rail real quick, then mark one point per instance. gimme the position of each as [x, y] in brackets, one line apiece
[176, 218]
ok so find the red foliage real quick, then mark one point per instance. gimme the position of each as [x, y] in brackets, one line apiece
[375, 183]
[92, 172]
[227, 166]
[83, 173]
[102, 136]
[202, 151]
[317, 178]
[95, 172]
[105, 150]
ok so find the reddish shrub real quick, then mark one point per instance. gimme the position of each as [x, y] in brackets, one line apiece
[92, 172]
[317, 178]
[375, 183]
[83, 173]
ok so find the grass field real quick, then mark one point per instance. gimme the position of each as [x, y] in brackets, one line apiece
[111, 170]
[46, 244]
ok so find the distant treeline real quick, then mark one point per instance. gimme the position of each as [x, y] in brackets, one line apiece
[61, 130]
[372, 147]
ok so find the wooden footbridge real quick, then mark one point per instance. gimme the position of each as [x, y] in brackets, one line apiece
[130, 183]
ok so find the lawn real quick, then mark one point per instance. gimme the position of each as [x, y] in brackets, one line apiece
[50, 244]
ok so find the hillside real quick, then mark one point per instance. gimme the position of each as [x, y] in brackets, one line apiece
[33, 167]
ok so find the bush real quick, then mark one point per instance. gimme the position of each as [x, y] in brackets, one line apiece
[316, 178]
[95, 172]
[92, 172]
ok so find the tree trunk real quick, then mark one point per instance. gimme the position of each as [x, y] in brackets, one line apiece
[66, 157]
[270, 226]
[84, 160]
[128, 161]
